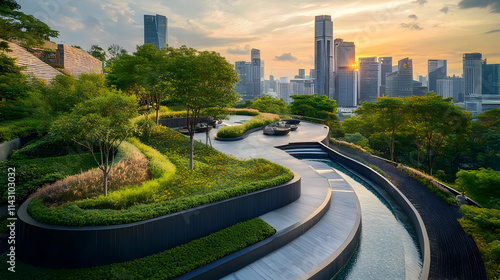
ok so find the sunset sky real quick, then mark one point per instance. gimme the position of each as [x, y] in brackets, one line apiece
[284, 29]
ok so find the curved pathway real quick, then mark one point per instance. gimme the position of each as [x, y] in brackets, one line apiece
[454, 254]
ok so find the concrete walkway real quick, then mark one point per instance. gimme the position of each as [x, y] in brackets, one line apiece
[308, 251]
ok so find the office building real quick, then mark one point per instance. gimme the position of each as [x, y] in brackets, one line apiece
[251, 83]
[491, 79]
[400, 82]
[436, 70]
[369, 79]
[385, 69]
[323, 55]
[346, 89]
[458, 89]
[444, 87]
[473, 86]
[155, 30]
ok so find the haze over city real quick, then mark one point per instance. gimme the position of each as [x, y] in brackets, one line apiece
[284, 30]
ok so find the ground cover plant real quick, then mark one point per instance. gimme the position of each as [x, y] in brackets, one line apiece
[215, 177]
[164, 265]
[259, 120]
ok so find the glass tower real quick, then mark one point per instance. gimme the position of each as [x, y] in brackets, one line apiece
[436, 70]
[323, 55]
[155, 30]
[369, 79]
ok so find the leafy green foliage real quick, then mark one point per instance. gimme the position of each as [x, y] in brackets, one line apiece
[358, 139]
[483, 225]
[268, 104]
[481, 185]
[165, 265]
[216, 177]
[16, 25]
[97, 52]
[313, 106]
[239, 130]
[11, 130]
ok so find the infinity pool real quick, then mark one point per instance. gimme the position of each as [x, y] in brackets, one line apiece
[388, 247]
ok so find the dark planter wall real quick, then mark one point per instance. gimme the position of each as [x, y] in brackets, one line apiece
[70, 247]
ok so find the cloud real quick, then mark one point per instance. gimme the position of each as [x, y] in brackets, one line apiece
[411, 26]
[492, 31]
[420, 2]
[413, 17]
[238, 50]
[494, 5]
[445, 9]
[285, 57]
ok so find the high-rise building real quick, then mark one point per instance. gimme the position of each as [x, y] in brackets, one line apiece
[385, 68]
[301, 75]
[491, 79]
[323, 55]
[251, 83]
[400, 82]
[444, 87]
[155, 30]
[473, 85]
[369, 79]
[458, 89]
[346, 90]
[436, 70]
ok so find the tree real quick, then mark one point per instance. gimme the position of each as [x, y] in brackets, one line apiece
[201, 80]
[482, 184]
[313, 106]
[102, 122]
[97, 52]
[16, 25]
[386, 116]
[433, 118]
[115, 52]
[268, 104]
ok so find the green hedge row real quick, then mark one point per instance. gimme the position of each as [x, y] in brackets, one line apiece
[165, 265]
[161, 170]
[72, 214]
[11, 130]
[31, 174]
[239, 130]
[48, 147]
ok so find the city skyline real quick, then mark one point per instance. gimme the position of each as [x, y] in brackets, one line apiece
[283, 31]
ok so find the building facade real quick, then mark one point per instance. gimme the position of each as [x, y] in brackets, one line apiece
[369, 79]
[251, 75]
[445, 88]
[400, 82]
[436, 70]
[473, 86]
[346, 89]
[491, 79]
[155, 30]
[323, 56]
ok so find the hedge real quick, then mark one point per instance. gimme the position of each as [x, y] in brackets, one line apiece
[165, 265]
[10, 130]
[239, 130]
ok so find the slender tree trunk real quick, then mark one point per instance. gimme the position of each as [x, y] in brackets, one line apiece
[392, 144]
[157, 116]
[429, 159]
[191, 150]
[105, 178]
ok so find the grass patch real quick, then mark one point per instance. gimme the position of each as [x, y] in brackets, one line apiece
[484, 226]
[238, 130]
[216, 177]
[165, 265]
[347, 145]
[31, 174]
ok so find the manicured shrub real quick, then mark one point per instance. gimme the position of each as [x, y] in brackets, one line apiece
[47, 147]
[10, 130]
[165, 265]
[131, 170]
[31, 174]
[244, 112]
[216, 177]
[238, 130]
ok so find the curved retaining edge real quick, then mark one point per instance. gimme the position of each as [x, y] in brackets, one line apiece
[244, 257]
[242, 136]
[333, 264]
[59, 246]
[402, 201]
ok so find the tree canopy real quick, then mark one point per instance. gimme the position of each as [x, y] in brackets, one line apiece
[313, 106]
[268, 104]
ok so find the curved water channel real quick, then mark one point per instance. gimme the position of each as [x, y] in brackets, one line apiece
[388, 248]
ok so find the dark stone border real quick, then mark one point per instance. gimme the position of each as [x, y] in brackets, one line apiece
[403, 202]
[242, 258]
[58, 246]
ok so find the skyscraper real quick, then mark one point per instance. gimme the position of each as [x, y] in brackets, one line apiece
[251, 76]
[385, 69]
[436, 70]
[444, 87]
[400, 82]
[473, 82]
[346, 75]
[369, 79]
[323, 55]
[155, 30]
